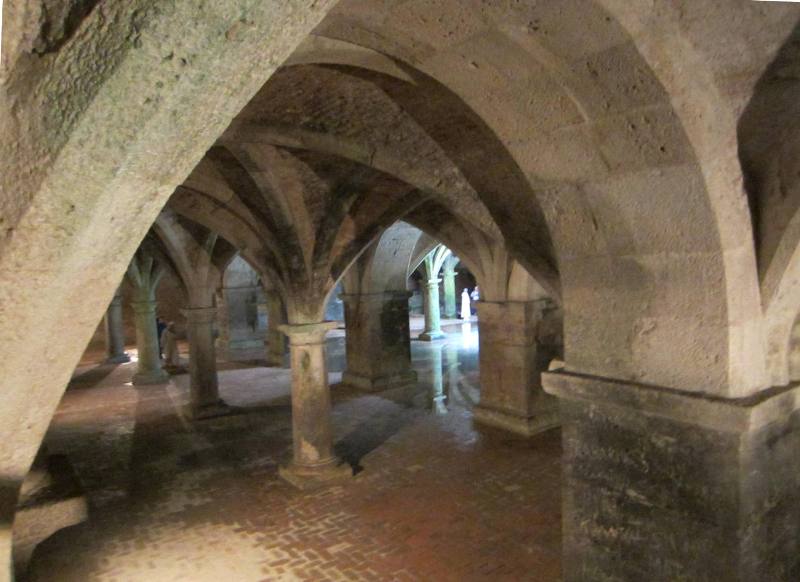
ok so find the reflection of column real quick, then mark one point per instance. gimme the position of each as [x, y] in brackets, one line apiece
[705, 484]
[511, 363]
[433, 325]
[148, 369]
[313, 460]
[204, 387]
[115, 332]
[437, 383]
[453, 372]
[275, 339]
[378, 341]
[449, 284]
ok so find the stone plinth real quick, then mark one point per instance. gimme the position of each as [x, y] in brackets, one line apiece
[203, 381]
[662, 485]
[149, 370]
[378, 341]
[511, 363]
[313, 463]
[433, 321]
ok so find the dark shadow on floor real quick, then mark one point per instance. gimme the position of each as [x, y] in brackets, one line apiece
[371, 434]
[92, 377]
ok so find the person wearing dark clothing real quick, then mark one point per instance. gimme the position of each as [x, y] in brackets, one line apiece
[161, 325]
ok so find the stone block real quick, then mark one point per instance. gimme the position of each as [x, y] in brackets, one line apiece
[671, 485]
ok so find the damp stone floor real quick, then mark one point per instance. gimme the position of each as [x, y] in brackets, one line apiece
[433, 497]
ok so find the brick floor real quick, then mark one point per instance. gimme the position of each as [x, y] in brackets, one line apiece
[434, 498]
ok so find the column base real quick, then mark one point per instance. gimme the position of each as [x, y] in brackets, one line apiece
[438, 406]
[207, 411]
[402, 380]
[307, 477]
[526, 426]
[429, 336]
[120, 359]
[661, 484]
[147, 378]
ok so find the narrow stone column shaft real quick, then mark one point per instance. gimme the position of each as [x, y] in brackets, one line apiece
[433, 324]
[511, 364]
[312, 445]
[204, 384]
[449, 284]
[115, 331]
[378, 341]
[275, 338]
[149, 369]
[223, 324]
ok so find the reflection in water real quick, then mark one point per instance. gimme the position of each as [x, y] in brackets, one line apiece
[454, 359]
[469, 337]
[437, 385]
[453, 375]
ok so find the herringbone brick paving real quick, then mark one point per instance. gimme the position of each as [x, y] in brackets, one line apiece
[434, 499]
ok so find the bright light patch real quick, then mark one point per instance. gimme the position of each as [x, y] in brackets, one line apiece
[469, 337]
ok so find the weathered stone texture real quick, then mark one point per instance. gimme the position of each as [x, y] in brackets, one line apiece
[652, 493]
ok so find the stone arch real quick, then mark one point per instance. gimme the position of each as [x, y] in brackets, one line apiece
[769, 143]
[604, 186]
[67, 190]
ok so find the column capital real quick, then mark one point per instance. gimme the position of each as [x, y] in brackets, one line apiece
[144, 306]
[433, 282]
[199, 314]
[308, 333]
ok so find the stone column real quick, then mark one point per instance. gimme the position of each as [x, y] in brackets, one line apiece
[223, 325]
[115, 332]
[667, 485]
[433, 324]
[204, 386]
[511, 363]
[148, 369]
[313, 462]
[449, 284]
[275, 339]
[378, 341]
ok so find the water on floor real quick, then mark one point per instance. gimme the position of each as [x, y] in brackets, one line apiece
[433, 497]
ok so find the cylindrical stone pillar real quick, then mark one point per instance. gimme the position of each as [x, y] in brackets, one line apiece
[223, 325]
[433, 324]
[313, 461]
[204, 385]
[275, 339]
[149, 369]
[378, 341]
[115, 332]
[449, 284]
[511, 364]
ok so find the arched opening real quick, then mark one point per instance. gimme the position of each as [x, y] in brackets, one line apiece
[580, 150]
